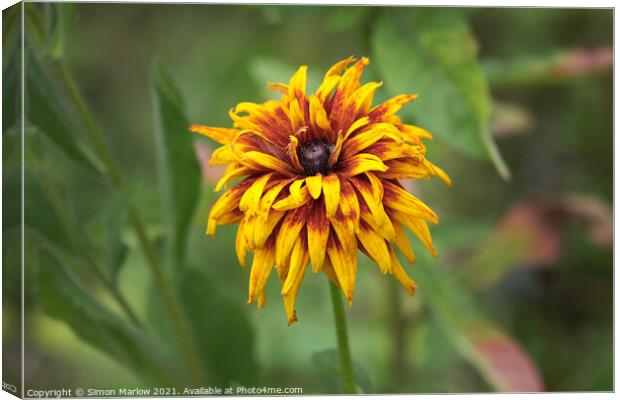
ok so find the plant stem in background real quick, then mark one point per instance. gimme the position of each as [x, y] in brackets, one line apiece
[176, 318]
[346, 365]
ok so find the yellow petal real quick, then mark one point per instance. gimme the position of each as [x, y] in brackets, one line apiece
[296, 115]
[297, 84]
[399, 273]
[331, 193]
[232, 171]
[264, 229]
[356, 125]
[402, 242]
[270, 196]
[391, 106]
[314, 184]
[220, 135]
[318, 116]
[251, 198]
[360, 163]
[240, 248]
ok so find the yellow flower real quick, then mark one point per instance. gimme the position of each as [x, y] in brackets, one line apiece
[320, 182]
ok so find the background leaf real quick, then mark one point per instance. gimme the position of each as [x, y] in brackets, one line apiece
[47, 109]
[39, 214]
[431, 52]
[60, 18]
[64, 298]
[498, 358]
[178, 167]
[221, 328]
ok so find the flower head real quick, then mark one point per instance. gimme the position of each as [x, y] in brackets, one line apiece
[321, 180]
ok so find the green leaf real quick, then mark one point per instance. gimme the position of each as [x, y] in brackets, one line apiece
[60, 18]
[178, 167]
[343, 18]
[431, 52]
[501, 361]
[48, 110]
[327, 362]
[39, 214]
[221, 328]
[63, 297]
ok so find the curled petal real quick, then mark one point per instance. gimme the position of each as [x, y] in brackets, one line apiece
[262, 161]
[314, 184]
[270, 196]
[293, 201]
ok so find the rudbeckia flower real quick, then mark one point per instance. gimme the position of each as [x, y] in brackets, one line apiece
[320, 181]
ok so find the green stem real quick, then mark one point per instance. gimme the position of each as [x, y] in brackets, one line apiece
[346, 365]
[174, 311]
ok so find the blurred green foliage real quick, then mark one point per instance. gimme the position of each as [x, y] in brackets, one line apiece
[115, 207]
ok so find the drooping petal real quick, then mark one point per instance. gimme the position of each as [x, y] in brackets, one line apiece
[264, 229]
[270, 196]
[331, 193]
[399, 199]
[343, 265]
[292, 224]
[402, 242]
[296, 271]
[399, 273]
[240, 247]
[318, 233]
[232, 171]
[261, 269]
[375, 246]
[419, 228]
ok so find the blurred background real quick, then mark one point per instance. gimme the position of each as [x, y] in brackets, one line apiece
[519, 101]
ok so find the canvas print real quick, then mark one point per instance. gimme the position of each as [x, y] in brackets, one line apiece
[204, 199]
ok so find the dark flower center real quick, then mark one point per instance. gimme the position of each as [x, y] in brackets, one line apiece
[314, 156]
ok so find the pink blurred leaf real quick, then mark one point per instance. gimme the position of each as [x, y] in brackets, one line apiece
[503, 361]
